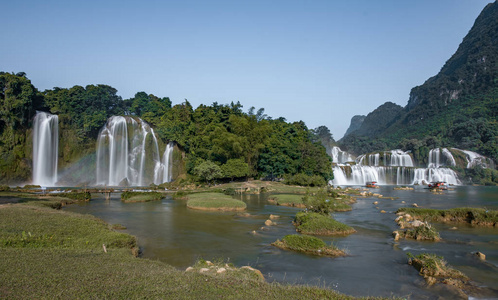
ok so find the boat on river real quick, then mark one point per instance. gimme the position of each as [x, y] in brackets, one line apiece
[438, 185]
[372, 184]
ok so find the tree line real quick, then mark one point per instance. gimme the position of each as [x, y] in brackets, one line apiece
[220, 141]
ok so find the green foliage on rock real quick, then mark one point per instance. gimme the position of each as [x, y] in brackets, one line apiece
[474, 216]
[319, 224]
[307, 244]
[325, 202]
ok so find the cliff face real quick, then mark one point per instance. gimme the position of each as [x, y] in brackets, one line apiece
[355, 124]
[472, 70]
[379, 120]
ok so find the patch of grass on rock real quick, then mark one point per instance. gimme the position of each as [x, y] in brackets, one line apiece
[473, 216]
[214, 201]
[308, 244]
[292, 200]
[435, 269]
[318, 224]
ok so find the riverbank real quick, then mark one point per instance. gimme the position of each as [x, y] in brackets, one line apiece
[48, 253]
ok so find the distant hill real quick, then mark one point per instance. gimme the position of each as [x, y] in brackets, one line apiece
[458, 107]
[355, 124]
[378, 120]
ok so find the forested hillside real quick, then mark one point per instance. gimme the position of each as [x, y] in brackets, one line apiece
[458, 107]
[220, 139]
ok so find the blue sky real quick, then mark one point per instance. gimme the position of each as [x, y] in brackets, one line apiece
[317, 61]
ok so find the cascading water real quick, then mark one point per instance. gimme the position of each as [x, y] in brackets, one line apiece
[395, 167]
[339, 156]
[398, 158]
[127, 153]
[168, 162]
[437, 160]
[45, 148]
[476, 159]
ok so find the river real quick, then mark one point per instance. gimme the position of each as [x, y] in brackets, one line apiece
[376, 265]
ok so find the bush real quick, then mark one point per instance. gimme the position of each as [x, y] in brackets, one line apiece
[4, 188]
[304, 180]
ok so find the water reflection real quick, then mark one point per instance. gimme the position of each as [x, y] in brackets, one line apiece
[376, 265]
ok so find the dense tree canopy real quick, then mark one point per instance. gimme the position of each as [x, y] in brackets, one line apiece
[220, 140]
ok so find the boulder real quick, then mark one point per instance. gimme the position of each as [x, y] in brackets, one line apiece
[221, 270]
[256, 271]
[396, 235]
[272, 217]
[189, 269]
[417, 223]
[268, 223]
[202, 270]
[480, 255]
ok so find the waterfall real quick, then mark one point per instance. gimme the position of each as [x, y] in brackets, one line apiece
[398, 159]
[427, 175]
[398, 169]
[168, 162]
[45, 148]
[436, 160]
[127, 153]
[476, 159]
[339, 156]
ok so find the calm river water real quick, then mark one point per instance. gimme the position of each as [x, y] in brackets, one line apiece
[376, 264]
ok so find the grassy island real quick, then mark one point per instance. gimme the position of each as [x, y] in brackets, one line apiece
[214, 201]
[319, 224]
[292, 200]
[473, 216]
[42, 247]
[130, 197]
[434, 269]
[308, 244]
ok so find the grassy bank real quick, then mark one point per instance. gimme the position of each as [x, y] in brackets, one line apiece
[49, 254]
[307, 244]
[287, 200]
[130, 197]
[214, 201]
[318, 224]
[473, 216]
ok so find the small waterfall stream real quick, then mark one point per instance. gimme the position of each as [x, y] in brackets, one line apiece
[168, 162]
[45, 149]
